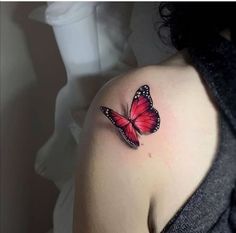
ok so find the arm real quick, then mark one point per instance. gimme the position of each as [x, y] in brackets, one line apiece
[114, 182]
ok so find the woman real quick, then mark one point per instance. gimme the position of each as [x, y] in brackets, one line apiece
[182, 177]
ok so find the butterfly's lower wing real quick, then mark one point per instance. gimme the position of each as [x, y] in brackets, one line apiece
[148, 122]
[129, 134]
[145, 118]
[124, 126]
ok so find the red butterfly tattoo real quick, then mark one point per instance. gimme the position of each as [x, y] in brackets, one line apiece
[143, 118]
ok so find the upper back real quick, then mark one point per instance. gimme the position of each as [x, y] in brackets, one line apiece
[180, 154]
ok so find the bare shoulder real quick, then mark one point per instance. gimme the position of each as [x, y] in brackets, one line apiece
[173, 89]
[177, 93]
[120, 182]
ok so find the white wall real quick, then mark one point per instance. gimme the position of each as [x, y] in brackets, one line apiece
[29, 61]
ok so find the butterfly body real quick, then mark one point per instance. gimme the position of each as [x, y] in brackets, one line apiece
[142, 119]
[133, 124]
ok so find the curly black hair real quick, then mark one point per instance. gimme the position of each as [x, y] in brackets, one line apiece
[194, 23]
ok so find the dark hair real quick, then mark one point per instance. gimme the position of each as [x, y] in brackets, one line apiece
[194, 23]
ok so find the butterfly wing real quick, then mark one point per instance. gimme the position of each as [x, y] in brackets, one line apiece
[145, 118]
[124, 126]
[129, 134]
[148, 122]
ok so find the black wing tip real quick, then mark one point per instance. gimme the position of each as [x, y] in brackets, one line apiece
[133, 145]
[145, 86]
[103, 108]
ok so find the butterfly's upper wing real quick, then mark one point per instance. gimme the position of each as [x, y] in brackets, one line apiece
[145, 118]
[124, 126]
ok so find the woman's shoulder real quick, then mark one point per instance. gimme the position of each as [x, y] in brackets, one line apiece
[174, 74]
[184, 144]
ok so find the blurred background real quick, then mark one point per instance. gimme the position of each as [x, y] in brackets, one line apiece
[32, 72]
[37, 67]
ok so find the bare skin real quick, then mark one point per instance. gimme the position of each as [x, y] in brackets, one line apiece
[119, 189]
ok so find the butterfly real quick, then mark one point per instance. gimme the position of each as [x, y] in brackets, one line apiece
[142, 119]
